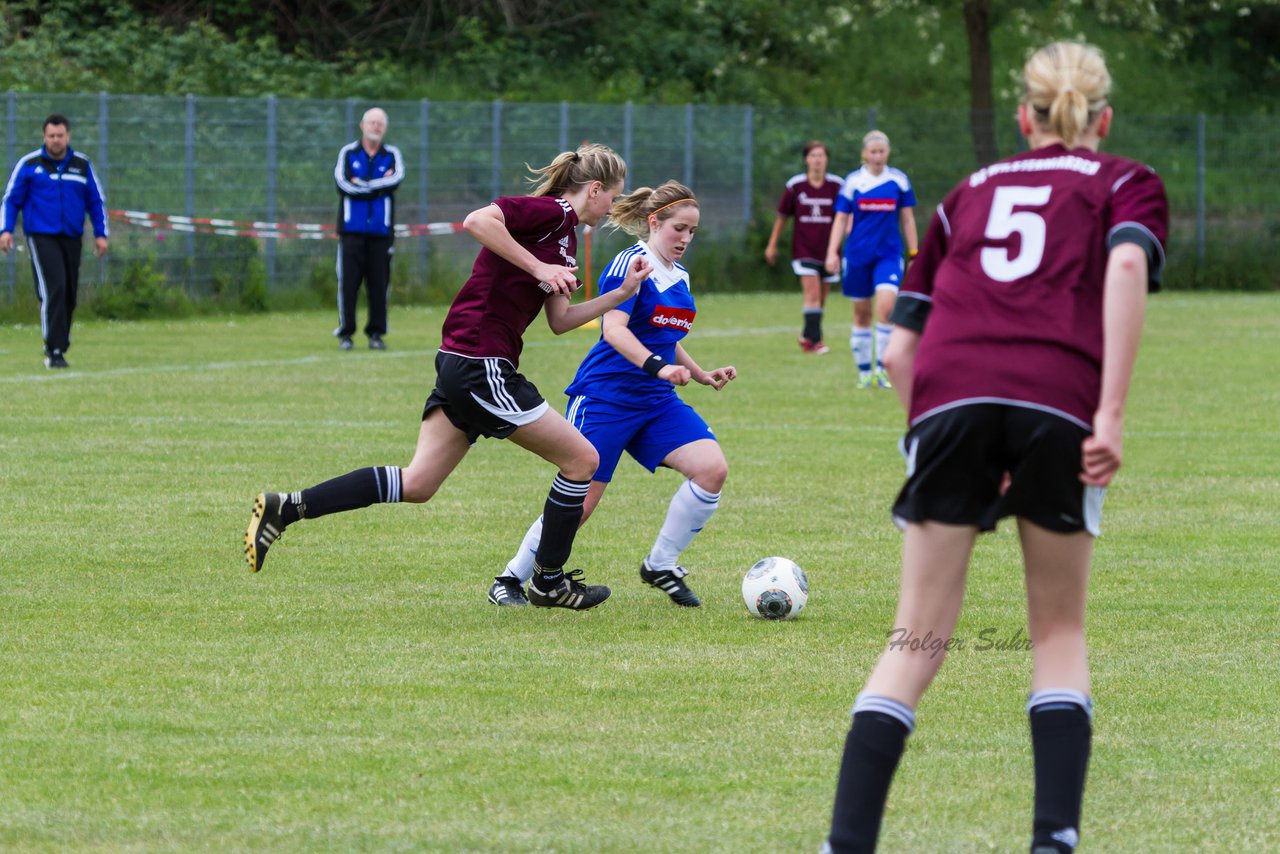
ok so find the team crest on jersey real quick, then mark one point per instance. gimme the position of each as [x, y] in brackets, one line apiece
[670, 317]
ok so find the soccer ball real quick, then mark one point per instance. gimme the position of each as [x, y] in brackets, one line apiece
[775, 589]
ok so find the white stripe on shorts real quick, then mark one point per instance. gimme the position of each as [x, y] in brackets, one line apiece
[575, 413]
[1093, 496]
[493, 373]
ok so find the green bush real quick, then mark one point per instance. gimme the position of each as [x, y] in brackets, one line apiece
[240, 280]
[142, 291]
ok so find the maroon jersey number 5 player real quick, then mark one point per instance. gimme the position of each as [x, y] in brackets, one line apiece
[525, 266]
[1017, 332]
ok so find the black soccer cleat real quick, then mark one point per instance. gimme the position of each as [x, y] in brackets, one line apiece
[55, 359]
[670, 582]
[507, 590]
[265, 527]
[569, 593]
[376, 343]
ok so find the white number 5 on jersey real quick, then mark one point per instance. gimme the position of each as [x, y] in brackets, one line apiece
[1004, 222]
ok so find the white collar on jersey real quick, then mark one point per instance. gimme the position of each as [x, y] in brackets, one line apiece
[663, 277]
[861, 180]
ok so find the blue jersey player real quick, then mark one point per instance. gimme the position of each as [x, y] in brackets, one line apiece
[623, 397]
[874, 203]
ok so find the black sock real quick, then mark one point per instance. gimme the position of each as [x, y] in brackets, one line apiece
[1061, 732]
[871, 753]
[561, 516]
[351, 491]
[813, 324]
[546, 579]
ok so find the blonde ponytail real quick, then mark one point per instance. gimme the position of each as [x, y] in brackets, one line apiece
[631, 212]
[572, 169]
[1066, 86]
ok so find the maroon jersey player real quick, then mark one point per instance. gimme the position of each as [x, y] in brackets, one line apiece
[1012, 282]
[810, 199]
[525, 266]
[1017, 332]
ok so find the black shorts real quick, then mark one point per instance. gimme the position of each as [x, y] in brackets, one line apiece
[957, 458]
[483, 396]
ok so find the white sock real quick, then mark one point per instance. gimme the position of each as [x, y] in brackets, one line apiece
[521, 566]
[883, 331]
[860, 345]
[690, 509]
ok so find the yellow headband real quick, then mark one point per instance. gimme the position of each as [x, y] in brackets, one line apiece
[676, 202]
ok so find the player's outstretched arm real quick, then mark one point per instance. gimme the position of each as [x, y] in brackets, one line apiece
[899, 358]
[562, 316]
[621, 338]
[1123, 310]
[839, 227]
[771, 248]
[488, 226]
[717, 378]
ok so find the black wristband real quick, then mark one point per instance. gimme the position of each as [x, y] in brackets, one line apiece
[653, 365]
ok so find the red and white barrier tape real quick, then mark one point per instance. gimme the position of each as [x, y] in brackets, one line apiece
[269, 230]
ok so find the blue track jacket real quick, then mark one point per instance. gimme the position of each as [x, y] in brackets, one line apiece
[53, 196]
[366, 185]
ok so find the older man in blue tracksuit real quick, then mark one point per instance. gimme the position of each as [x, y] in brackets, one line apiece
[52, 188]
[367, 175]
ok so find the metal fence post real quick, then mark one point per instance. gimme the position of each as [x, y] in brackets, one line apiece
[871, 118]
[102, 168]
[496, 142]
[626, 141]
[1200, 170]
[189, 181]
[564, 125]
[104, 130]
[424, 143]
[748, 155]
[11, 155]
[688, 145]
[271, 188]
[349, 123]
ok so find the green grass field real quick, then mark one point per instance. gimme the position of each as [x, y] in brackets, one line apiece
[360, 693]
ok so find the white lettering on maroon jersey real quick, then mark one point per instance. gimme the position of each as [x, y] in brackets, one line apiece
[1068, 162]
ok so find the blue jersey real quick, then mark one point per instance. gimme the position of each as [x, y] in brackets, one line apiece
[662, 313]
[367, 186]
[53, 196]
[874, 202]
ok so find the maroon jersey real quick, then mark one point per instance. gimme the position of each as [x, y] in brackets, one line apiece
[1010, 278]
[814, 211]
[499, 301]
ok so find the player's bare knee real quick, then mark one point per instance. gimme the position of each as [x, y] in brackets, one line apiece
[416, 488]
[711, 476]
[582, 466]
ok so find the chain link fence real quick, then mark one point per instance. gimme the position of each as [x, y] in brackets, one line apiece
[270, 160]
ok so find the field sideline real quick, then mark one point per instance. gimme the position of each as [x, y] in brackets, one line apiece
[360, 694]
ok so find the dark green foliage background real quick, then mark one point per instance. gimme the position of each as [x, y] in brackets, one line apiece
[815, 70]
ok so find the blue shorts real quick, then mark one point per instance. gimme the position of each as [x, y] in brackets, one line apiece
[862, 279]
[648, 435]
